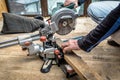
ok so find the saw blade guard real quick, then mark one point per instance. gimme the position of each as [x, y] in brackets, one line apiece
[65, 20]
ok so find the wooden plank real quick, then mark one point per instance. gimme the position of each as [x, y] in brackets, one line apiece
[81, 68]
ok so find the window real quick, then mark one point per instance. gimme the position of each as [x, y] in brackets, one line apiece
[24, 7]
[54, 4]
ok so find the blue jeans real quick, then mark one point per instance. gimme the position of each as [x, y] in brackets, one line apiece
[99, 10]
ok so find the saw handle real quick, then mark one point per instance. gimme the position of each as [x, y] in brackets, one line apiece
[70, 6]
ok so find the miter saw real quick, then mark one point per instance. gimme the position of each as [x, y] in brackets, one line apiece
[62, 23]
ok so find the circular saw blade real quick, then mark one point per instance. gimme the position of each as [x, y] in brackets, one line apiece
[65, 20]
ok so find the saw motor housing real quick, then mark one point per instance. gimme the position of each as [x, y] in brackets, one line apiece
[65, 20]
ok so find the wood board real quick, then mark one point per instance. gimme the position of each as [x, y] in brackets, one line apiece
[81, 68]
[99, 64]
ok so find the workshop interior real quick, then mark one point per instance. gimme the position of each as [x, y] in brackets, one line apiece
[31, 34]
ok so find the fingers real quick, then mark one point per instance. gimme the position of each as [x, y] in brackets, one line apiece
[65, 45]
[66, 49]
[70, 45]
[67, 2]
[76, 5]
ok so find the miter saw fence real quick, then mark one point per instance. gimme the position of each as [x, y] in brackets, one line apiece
[62, 22]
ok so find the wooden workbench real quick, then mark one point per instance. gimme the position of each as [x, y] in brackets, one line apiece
[103, 60]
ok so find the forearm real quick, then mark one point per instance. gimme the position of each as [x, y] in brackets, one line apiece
[107, 27]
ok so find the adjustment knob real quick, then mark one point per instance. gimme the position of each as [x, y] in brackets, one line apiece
[27, 43]
[57, 52]
[43, 38]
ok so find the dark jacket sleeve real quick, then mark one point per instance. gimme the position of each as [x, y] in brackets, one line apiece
[107, 27]
[81, 2]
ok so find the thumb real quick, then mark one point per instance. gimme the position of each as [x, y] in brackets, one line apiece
[76, 5]
[66, 49]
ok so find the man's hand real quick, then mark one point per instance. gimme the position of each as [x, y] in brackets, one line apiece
[70, 45]
[67, 2]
